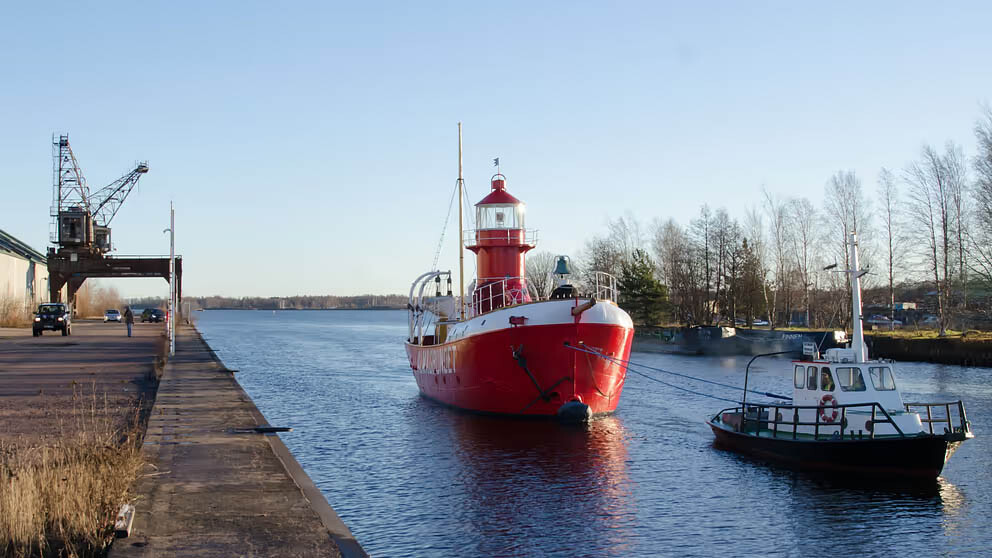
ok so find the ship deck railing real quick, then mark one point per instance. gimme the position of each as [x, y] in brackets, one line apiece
[494, 295]
[769, 420]
[963, 426]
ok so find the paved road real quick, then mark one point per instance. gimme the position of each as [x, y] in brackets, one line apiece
[98, 369]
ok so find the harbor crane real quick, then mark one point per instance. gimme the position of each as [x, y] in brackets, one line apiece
[80, 228]
[81, 220]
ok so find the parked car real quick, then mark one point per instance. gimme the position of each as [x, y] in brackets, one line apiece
[760, 322]
[112, 316]
[152, 315]
[54, 316]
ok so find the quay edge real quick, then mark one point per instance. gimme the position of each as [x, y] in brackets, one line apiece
[213, 490]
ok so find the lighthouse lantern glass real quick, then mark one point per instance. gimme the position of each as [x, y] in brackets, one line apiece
[500, 216]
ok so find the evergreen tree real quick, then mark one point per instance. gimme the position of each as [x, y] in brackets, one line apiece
[642, 295]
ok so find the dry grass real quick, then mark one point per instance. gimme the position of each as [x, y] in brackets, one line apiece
[14, 312]
[92, 300]
[60, 497]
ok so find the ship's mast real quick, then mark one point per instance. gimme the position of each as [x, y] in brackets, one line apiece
[461, 249]
[858, 341]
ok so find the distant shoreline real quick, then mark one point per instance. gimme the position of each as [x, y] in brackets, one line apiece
[374, 308]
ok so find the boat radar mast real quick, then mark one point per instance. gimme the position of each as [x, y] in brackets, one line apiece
[857, 324]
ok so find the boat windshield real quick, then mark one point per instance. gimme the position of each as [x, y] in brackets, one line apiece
[850, 379]
[881, 378]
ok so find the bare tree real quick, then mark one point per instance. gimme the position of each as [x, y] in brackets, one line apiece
[678, 267]
[957, 182]
[847, 211]
[888, 196]
[930, 201]
[980, 237]
[702, 229]
[758, 266]
[777, 218]
[802, 231]
[539, 266]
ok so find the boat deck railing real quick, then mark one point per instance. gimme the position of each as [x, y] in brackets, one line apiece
[494, 295]
[605, 286]
[771, 417]
[963, 426]
[761, 417]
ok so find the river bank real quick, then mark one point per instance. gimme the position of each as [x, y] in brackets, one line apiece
[967, 349]
[961, 349]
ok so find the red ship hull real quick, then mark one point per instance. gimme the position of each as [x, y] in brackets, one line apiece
[528, 369]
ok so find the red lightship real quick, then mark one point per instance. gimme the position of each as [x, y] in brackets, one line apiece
[507, 349]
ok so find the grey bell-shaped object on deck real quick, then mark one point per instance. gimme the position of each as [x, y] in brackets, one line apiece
[562, 266]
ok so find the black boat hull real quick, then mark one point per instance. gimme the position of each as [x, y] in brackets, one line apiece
[915, 457]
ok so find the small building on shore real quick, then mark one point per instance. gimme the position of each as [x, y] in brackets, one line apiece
[23, 274]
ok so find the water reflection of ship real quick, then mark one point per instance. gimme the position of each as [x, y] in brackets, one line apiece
[571, 476]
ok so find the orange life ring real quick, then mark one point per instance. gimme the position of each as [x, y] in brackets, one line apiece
[824, 402]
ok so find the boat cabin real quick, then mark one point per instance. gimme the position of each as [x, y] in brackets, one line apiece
[845, 381]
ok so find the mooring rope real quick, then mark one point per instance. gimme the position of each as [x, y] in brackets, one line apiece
[629, 364]
[652, 378]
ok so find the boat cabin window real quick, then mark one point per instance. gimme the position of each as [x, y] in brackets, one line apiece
[826, 380]
[502, 216]
[811, 377]
[800, 376]
[881, 378]
[850, 379]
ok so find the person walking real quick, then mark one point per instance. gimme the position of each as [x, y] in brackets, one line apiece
[128, 319]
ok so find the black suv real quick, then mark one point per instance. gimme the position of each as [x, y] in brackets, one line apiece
[152, 315]
[54, 316]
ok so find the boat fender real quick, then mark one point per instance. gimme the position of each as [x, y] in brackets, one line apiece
[578, 310]
[574, 412]
[828, 403]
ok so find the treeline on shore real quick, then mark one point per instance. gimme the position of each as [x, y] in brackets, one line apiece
[301, 302]
[924, 232]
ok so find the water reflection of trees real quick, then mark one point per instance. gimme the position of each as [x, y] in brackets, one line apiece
[545, 486]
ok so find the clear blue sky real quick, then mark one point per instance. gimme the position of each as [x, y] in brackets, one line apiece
[311, 148]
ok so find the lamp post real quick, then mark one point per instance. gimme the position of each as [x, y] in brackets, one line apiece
[171, 325]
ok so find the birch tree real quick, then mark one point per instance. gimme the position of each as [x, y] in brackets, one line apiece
[930, 204]
[802, 232]
[980, 237]
[888, 196]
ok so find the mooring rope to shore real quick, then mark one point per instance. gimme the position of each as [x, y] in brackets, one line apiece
[629, 364]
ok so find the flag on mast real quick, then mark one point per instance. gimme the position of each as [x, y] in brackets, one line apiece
[496, 162]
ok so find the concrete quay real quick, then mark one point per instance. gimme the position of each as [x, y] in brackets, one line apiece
[215, 487]
[210, 488]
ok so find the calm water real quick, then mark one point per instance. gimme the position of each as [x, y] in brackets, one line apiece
[413, 479]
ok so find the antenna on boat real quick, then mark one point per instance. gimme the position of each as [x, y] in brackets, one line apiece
[858, 343]
[461, 249]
